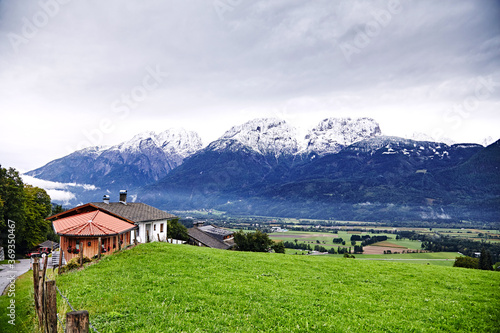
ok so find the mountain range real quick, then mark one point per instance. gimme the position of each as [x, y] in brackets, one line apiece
[343, 169]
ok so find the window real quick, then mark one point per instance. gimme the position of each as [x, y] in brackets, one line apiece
[154, 227]
[161, 227]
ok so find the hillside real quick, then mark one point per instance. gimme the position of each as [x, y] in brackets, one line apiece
[172, 288]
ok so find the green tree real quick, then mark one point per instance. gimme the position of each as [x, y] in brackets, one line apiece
[37, 208]
[177, 230]
[466, 262]
[11, 197]
[11, 205]
[27, 206]
[278, 247]
[252, 241]
[56, 209]
[485, 262]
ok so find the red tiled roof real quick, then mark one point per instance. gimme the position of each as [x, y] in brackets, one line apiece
[94, 223]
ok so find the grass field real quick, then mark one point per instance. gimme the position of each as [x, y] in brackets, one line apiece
[25, 320]
[434, 258]
[326, 240]
[161, 287]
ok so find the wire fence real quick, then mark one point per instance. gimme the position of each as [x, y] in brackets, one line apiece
[72, 309]
[61, 322]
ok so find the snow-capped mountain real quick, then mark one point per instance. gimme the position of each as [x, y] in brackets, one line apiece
[267, 136]
[332, 134]
[176, 144]
[264, 166]
[144, 159]
[275, 137]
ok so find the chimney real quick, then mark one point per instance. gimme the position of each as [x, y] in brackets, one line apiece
[198, 224]
[123, 197]
[105, 199]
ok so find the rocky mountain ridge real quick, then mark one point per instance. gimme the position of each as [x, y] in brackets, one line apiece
[264, 166]
[145, 158]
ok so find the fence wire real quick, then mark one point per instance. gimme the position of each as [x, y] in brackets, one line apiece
[61, 322]
[72, 309]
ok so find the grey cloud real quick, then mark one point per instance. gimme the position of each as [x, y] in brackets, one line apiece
[256, 55]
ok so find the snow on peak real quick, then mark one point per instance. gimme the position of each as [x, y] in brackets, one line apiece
[487, 141]
[179, 141]
[172, 141]
[419, 136]
[332, 134]
[268, 136]
[94, 151]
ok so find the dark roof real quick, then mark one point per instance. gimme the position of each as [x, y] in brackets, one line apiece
[207, 239]
[135, 211]
[50, 244]
[216, 232]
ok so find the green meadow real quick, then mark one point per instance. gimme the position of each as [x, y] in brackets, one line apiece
[326, 239]
[160, 287]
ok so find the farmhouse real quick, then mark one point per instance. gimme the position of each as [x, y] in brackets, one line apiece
[210, 236]
[117, 224]
[90, 230]
[152, 222]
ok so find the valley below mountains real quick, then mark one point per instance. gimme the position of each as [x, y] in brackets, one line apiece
[343, 169]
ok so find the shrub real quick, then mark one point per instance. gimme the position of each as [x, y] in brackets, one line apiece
[466, 262]
[75, 262]
[252, 241]
[278, 247]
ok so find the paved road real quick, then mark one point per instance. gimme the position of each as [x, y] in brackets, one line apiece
[8, 273]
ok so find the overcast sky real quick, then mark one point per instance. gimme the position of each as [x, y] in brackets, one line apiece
[82, 73]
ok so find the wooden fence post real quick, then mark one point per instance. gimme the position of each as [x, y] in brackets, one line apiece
[36, 286]
[77, 322]
[50, 307]
[41, 291]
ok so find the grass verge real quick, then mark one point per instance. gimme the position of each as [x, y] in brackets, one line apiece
[24, 307]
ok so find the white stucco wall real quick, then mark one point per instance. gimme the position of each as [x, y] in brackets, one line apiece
[153, 234]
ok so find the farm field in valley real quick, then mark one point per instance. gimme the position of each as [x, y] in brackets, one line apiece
[160, 287]
[326, 240]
